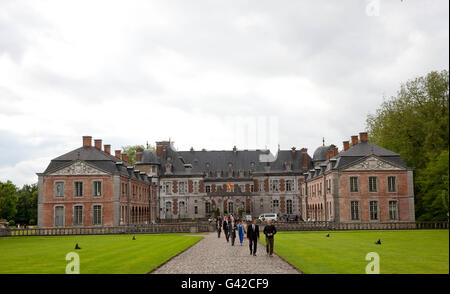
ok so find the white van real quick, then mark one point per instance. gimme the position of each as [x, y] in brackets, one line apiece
[267, 216]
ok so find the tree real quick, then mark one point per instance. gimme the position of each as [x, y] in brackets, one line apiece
[8, 200]
[433, 181]
[27, 205]
[415, 124]
[130, 151]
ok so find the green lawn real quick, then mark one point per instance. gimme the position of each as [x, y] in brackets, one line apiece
[344, 252]
[99, 254]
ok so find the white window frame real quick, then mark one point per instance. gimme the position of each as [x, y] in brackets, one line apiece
[63, 189]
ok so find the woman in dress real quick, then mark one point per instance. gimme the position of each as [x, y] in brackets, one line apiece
[241, 231]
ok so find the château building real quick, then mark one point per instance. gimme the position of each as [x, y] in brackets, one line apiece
[90, 187]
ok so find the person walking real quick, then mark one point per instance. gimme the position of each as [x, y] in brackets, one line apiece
[232, 231]
[269, 231]
[253, 237]
[225, 225]
[219, 225]
[241, 231]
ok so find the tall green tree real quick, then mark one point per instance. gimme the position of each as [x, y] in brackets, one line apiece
[433, 182]
[27, 205]
[415, 124]
[8, 200]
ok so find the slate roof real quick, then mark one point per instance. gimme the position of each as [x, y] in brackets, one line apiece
[213, 161]
[96, 158]
[321, 153]
[361, 150]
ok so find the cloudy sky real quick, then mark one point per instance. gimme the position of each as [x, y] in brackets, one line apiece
[129, 72]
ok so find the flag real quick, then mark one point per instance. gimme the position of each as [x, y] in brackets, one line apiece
[231, 187]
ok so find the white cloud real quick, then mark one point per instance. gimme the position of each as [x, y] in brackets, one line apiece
[137, 71]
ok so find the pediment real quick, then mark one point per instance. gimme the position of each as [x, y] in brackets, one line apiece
[373, 163]
[78, 168]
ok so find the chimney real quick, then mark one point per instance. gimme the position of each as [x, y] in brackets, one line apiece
[98, 144]
[125, 157]
[335, 151]
[161, 147]
[294, 153]
[87, 141]
[234, 151]
[304, 152]
[118, 154]
[107, 148]
[346, 145]
[363, 137]
[139, 153]
[354, 140]
[329, 154]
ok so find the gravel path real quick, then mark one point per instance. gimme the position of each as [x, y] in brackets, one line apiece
[215, 256]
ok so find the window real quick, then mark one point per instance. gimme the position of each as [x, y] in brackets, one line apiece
[78, 215]
[59, 216]
[59, 189]
[373, 210]
[182, 187]
[329, 186]
[252, 188]
[276, 205]
[97, 188]
[261, 204]
[97, 215]
[275, 185]
[261, 186]
[78, 189]
[123, 189]
[392, 185]
[288, 185]
[208, 189]
[354, 184]
[320, 189]
[230, 207]
[373, 184]
[195, 187]
[289, 206]
[393, 210]
[196, 209]
[354, 205]
[208, 207]
[241, 188]
[168, 188]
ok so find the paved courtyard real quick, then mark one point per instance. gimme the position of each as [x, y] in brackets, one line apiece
[215, 256]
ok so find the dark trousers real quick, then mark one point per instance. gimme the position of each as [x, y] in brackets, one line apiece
[233, 238]
[227, 235]
[218, 232]
[253, 245]
[269, 245]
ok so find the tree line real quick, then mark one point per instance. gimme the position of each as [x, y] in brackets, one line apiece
[415, 124]
[18, 205]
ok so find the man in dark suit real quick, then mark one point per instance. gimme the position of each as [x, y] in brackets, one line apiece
[219, 225]
[225, 228]
[253, 237]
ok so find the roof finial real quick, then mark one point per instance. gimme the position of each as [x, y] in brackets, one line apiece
[323, 141]
[147, 144]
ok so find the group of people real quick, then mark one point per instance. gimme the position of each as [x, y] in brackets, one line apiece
[233, 228]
